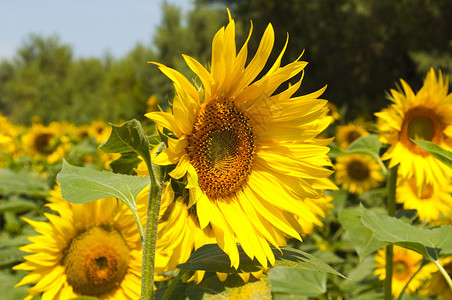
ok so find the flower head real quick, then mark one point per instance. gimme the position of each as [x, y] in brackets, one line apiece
[426, 115]
[249, 156]
[346, 134]
[357, 173]
[90, 249]
[405, 265]
[431, 200]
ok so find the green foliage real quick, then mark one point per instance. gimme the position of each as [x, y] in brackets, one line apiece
[439, 153]
[211, 258]
[428, 242]
[127, 139]
[81, 185]
[294, 281]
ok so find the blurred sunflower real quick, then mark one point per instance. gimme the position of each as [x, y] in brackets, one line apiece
[437, 285]
[46, 142]
[405, 264]
[357, 173]
[9, 137]
[346, 134]
[99, 130]
[427, 116]
[250, 156]
[90, 249]
[333, 112]
[430, 200]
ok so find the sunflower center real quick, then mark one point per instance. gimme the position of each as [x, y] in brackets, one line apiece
[357, 170]
[42, 143]
[96, 261]
[352, 135]
[420, 123]
[221, 148]
[401, 270]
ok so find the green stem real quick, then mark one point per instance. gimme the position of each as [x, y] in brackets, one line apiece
[392, 182]
[444, 273]
[138, 222]
[150, 234]
[173, 284]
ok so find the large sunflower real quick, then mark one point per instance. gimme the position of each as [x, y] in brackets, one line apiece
[250, 156]
[405, 265]
[426, 115]
[431, 200]
[90, 249]
[357, 173]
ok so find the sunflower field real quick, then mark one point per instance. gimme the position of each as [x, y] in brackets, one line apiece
[231, 174]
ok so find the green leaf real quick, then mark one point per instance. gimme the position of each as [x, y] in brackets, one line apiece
[369, 142]
[293, 281]
[362, 237]
[81, 185]
[22, 183]
[436, 151]
[10, 256]
[126, 163]
[17, 205]
[428, 242]
[211, 258]
[365, 145]
[127, 138]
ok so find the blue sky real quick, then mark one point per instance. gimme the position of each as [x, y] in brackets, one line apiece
[91, 27]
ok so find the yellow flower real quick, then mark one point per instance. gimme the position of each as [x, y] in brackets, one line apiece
[405, 264]
[99, 130]
[250, 156]
[438, 286]
[431, 200]
[90, 249]
[179, 233]
[426, 115]
[46, 142]
[357, 173]
[346, 134]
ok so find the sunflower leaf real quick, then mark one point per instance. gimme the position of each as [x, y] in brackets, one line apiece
[81, 185]
[294, 281]
[436, 151]
[128, 138]
[428, 242]
[211, 258]
[362, 237]
[365, 145]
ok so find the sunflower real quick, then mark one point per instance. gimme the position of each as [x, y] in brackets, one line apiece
[46, 142]
[426, 115]
[90, 249]
[249, 156]
[357, 173]
[431, 200]
[405, 264]
[99, 130]
[437, 285]
[346, 134]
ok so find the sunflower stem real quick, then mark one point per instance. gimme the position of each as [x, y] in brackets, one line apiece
[150, 234]
[138, 222]
[173, 284]
[444, 273]
[392, 182]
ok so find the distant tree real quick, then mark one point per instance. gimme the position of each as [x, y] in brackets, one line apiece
[360, 48]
